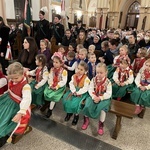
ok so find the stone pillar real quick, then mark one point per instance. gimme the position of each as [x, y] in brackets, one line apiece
[116, 19]
[3, 10]
[142, 15]
[70, 15]
[104, 17]
[147, 25]
[98, 17]
[85, 17]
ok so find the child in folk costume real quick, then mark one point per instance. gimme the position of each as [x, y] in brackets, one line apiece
[139, 61]
[98, 103]
[91, 48]
[123, 55]
[71, 47]
[123, 78]
[70, 65]
[61, 50]
[45, 46]
[41, 78]
[141, 93]
[79, 85]
[91, 65]
[3, 82]
[82, 55]
[15, 106]
[79, 46]
[56, 82]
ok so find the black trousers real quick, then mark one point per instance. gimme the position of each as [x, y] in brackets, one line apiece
[4, 64]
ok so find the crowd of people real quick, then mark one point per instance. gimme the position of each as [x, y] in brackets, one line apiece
[97, 65]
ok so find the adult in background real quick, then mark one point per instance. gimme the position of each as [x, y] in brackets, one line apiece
[68, 38]
[57, 29]
[12, 37]
[132, 46]
[42, 27]
[78, 28]
[4, 37]
[81, 39]
[27, 55]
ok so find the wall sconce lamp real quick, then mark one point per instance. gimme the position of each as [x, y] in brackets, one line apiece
[146, 9]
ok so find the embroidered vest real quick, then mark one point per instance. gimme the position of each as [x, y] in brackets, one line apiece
[100, 87]
[57, 76]
[39, 73]
[145, 78]
[123, 75]
[138, 64]
[79, 82]
[124, 57]
[15, 90]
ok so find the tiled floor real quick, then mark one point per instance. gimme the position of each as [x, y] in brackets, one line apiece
[134, 134]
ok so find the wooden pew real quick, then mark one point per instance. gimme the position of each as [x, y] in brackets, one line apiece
[121, 109]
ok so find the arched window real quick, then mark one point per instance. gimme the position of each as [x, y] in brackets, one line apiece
[133, 15]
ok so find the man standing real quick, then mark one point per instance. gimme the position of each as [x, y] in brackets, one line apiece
[57, 29]
[4, 37]
[42, 28]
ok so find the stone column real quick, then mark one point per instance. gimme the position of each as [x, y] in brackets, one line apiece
[147, 25]
[98, 17]
[116, 19]
[142, 15]
[3, 10]
[105, 11]
[85, 17]
[70, 15]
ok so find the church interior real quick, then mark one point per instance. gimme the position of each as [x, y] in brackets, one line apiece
[122, 129]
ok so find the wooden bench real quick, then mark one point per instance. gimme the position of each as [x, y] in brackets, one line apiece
[121, 109]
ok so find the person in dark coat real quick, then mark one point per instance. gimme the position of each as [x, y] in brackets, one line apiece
[41, 29]
[57, 29]
[12, 37]
[78, 28]
[27, 55]
[68, 38]
[4, 38]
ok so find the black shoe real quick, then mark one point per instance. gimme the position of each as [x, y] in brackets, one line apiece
[68, 116]
[75, 120]
[49, 113]
[3, 140]
[45, 106]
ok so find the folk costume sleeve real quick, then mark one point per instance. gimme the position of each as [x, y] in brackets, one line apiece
[91, 89]
[74, 66]
[63, 81]
[115, 76]
[32, 73]
[26, 99]
[138, 79]
[3, 82]
[72, 86]
[84, 89]
[115, 60]
[50, 78]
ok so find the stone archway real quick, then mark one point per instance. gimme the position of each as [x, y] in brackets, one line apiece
[133, 15]
[124, 7]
